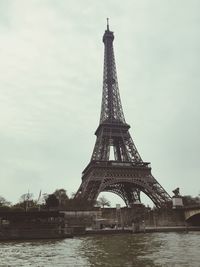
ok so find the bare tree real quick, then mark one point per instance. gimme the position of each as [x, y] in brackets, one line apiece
[4, 202]
[103, 201]
[26, 201]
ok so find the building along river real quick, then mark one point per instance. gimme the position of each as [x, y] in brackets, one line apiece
[123, 250]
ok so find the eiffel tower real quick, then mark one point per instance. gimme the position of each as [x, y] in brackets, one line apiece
[126, 174]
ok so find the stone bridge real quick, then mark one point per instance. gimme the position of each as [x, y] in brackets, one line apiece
[192, 214]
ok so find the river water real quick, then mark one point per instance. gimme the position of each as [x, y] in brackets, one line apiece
[124, 250]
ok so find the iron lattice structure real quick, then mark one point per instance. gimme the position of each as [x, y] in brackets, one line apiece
[125, 174]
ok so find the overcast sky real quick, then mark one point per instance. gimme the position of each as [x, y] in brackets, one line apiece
[51, 68]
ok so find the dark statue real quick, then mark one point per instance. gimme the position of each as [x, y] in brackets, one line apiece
[176, 192]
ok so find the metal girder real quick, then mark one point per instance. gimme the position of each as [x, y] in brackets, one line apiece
[126, 175]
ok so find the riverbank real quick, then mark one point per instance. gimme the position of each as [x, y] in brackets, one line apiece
[146, 230]
[33, 225]
[106, 231]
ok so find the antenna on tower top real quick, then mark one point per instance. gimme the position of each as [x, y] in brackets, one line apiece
[107, 24]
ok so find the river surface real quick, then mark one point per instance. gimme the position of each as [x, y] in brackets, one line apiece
[124, 250]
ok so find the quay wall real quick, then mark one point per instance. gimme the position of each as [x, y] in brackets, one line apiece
[152, 218]
[165, 217]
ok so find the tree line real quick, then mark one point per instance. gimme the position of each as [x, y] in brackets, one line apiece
[59, 199]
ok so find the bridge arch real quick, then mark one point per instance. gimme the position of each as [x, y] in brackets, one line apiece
[192, 216]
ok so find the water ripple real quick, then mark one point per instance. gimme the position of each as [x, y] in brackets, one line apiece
[139, 250]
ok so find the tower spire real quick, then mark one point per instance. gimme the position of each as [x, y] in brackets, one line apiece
[111, 108]
[108, 24]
